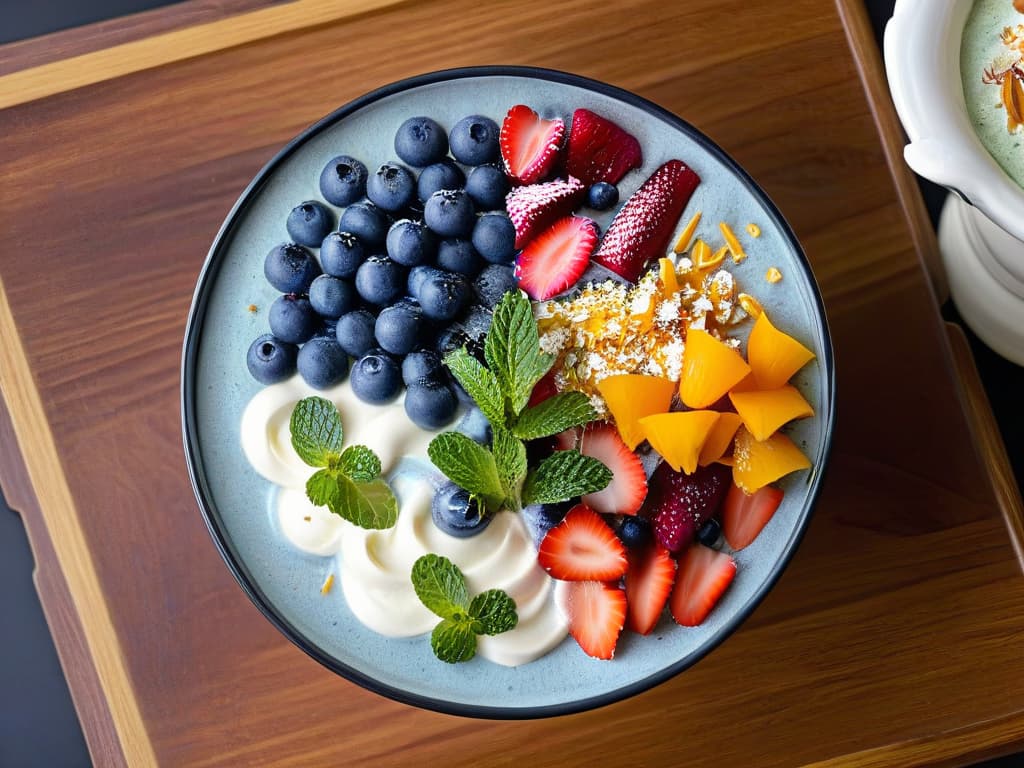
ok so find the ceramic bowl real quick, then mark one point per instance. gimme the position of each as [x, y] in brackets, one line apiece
[236, 502]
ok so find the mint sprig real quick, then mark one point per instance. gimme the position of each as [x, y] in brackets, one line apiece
[441, 587]
[515, 363]
[348, 480]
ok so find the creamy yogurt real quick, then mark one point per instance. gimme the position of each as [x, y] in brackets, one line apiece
[374, 566]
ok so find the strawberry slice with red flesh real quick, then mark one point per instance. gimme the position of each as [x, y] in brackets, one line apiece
[529, 144]
[649, 581]
[543, 389]
[569, 439]
[745, 515]
[556, 258]
[625, 494]
[704, 574]
[678, 504]
[582, 547]
[596, 613]
[536, 207]
[599, 150]
[641, 229]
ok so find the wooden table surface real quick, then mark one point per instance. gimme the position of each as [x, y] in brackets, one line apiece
[894, 637]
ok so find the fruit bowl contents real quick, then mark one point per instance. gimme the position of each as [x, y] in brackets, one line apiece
[526, 383]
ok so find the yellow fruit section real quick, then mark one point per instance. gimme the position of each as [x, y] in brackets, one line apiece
[757, 463]
[679, 436]
[765, 411]
[774, 356]
[719, 438]
[667, 273]
[630, 397]
[709, 370]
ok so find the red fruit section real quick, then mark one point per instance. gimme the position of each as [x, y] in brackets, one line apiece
[678, 504]
[599, 150]
[649, 581]
[535, 207]
[556, 259]
[582, 547]
[596, 613]
[529, 144]
[745, 515]
[704, 575]
[626, 492]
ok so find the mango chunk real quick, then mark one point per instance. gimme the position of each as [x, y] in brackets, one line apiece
[765, 411]
[630, 397]
[719, 438]
[757, 463]
[774, 356]
[710, 369]
[679, 436]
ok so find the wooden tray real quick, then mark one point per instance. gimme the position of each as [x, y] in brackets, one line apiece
[892, 639]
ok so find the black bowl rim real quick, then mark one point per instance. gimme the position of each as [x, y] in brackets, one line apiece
[211, 516]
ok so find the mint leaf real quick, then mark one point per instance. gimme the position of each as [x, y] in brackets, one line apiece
[556, 414]
[564, 475]
[315, 428]
[479, 383]
[510, 458]
[494, 612]
[322, 489]
[440, 586]
[453, 641]
[468, 465]
[512, 349]
[369, 505]
[359, 463]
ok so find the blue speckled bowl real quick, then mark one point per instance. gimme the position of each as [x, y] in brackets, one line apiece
[236, 502]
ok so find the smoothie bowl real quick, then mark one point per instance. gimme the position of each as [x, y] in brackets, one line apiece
[506, 393]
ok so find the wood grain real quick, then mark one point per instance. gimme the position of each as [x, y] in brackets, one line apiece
[892, 638]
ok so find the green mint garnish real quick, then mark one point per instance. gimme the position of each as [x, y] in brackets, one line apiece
[500, 477]
[348, 481]
[441, 587]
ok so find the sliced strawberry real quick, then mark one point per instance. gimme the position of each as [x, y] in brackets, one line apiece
[582, 547]
[678, 503]
[596, 613]
[543, 389]
[529, 144]
[744, 515]
[535, 207]
[554, 260]
[599, 150]
[641, 229]
[569, 439]
[626, 492]
[703, 576]
[652, 571]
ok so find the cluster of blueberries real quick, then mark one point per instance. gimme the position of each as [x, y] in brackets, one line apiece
[411, 272]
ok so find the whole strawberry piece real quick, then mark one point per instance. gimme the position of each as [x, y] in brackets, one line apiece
[599, 150]
[641, 229]
[678, 504]
[556, 258]
[529, 144]
[534, 207]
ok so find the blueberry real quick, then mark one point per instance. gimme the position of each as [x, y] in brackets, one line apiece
[492, 283]
[422, 364]
[541, 518]
[271, 360]
[322, 363]
[459, 256]
[398, 327]
[367, 222]
[450, 213]
[379, 280]
[487, 186]
[332, 296]
[309, 223]
[634, 531]
[376, 378]
[430, 403]
[602, 196]
[442, 295]
[474, 140]
[420, 141]
[709, 533]
[456, 513]
[475, 426]
[476, 321]
[354, 332]
[343, 180]
[341, 253]
[293, 319]
[417, 276]
[410, 243]
[451, 338]
[494, 238]
[290, 268]
[443, 175]
[328, 328]
[392, 187]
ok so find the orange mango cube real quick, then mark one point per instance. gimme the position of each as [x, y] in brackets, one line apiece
[718, 440]
[710, 369]
[765, 411]
[774, 356]
[630, 397]
[759, 462]
[679, 436]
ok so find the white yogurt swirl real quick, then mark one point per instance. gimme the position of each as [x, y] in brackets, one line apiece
[374, 566]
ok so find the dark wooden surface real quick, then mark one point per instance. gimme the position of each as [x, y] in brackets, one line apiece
[892, 638]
